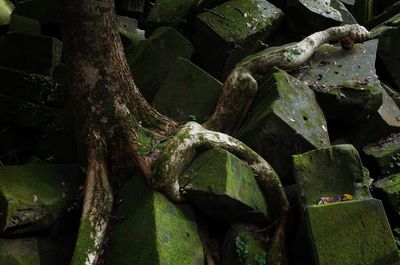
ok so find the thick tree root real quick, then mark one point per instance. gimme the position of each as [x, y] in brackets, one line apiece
[193, 138]
[97, 207]
[240, 86]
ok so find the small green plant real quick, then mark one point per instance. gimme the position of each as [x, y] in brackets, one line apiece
[260, 260]
[396, 234]
[241, 248]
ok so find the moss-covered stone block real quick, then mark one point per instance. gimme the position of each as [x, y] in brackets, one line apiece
[388, 52]
[32, 53]
[224, 187]
[347, 17]
[35, 251]
[351, 232]
[44, 11]
[34, 197]
[363, 10]
[388, 190]
[175, 13]
[241, 247]
[313, 15]
[188, 93]
[381, 123]
[330, 172]
[384, 154]
[153, 230]
[233, 30]
[24, 24]
[285, 120]
[153, 58]
[345, 82]
[6, 8]
[35, 88]
[26, 114]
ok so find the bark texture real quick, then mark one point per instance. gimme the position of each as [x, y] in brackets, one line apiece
[120, 129]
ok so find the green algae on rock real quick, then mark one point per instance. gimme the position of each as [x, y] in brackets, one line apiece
[24, 24]
[385, 154]
[224, 187]
[388, 190]
[233, 30]
[33, 197]
[175, 13]
[153, 58]
[351, 232]
[153, 229]
[378, 124]
[6, 8]
[285, 120]
[188, 93]
[241, 247]
[32, 53]
[345, 82]
[330, 172]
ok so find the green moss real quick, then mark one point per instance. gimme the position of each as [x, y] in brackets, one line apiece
[236, 20]
[241, 247]
[24, 24]
[6, 8]
[153, 58]
[358, 231]
[154, 230]
[224, 187]
[84, 243]
[330, 172]
[51, 190]
[188, 93]
[170, 12]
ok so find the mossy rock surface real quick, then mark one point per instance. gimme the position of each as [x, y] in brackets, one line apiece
[35, 88]
[227, 33]
[154, 230]
[389, 53]
[6, 8]
[34, 251]
[313, 15]
[26, 114]
[347, 17]
[25, 25]
[241, 247]
[151, 61]
[345, 82]
[381, 123]
[351, 232]
[285, 120]
[388, 190]
[224, 187]
[33, 197]
[386, 26]
[174, 13]
[385, 154]
[32, 53]
[188, 93]
[330, 172]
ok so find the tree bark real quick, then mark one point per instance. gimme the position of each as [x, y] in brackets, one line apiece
[120, 129]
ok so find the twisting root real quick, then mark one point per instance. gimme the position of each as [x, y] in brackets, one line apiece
[192, 138]
[97, 207]
[285, 57]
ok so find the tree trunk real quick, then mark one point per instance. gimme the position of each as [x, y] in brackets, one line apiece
[121, 130]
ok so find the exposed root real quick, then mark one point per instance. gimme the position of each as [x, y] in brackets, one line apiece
[227, 116]
[192, 138]
[97, 207]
